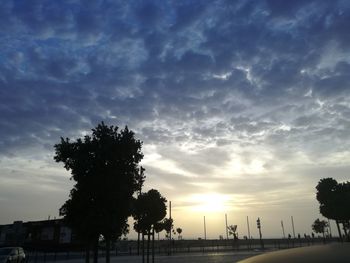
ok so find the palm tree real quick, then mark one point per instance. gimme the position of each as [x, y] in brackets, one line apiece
[232, 230]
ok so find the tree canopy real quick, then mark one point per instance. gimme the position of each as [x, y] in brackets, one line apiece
[106, 171]
[232, 230]
[149, 210]
[334, 199]
[319, 226]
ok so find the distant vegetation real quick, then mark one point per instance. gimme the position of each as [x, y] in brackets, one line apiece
[320, 226]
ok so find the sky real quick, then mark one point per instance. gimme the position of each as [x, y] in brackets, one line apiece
[242, 106]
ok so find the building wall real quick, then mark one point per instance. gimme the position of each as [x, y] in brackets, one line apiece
[47, 233]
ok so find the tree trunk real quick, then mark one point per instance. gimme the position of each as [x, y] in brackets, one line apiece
[87, 252]
[339, 232]
[153, 245]
[148, 241]
[96, 250]
[143, 247]
[108, 245]
[345, 232]
[138, 243]
[324, 238]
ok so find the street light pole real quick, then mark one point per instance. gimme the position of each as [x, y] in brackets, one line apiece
[248, 227]
[248, 233]
[171, 226]
[284, 235]
[170, 217]
[205, 230]
[293, 226]
[226, 226]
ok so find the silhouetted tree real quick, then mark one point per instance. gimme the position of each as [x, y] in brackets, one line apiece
[158, 227]
[105, 167]
[334, 199]
[79, 213]
[232, 230]
[150, 209]
[179, 231]
[168, 225]
[319, 226]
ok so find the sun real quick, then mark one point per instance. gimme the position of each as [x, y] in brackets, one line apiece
[210, 203]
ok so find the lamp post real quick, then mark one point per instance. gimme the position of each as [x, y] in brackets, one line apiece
[248, 232]
[284, 235]
[226, 226]
[293, 226]
[205, 230]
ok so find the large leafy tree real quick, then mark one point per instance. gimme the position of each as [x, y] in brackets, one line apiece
[106, 171]
[327, 197]
[334, 199]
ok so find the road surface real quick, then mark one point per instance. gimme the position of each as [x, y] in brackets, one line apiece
[222, 257]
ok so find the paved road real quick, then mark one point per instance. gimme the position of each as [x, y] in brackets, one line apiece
[224, 257]
[338, 252]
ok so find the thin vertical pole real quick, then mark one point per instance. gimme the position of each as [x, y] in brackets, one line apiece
[248, 227]
[226, 226]
[293, 226]
[170, 228]
[259, 227]
[284, 235]
[339, 231]
[170, 216]
[205, 230]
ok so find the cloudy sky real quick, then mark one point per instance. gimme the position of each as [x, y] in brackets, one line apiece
[242, 105]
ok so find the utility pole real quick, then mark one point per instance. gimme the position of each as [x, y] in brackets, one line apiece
[248, 232]
[170, 218]
[226, 226]
[293, 226]
[284, 235]
[258, 223]
[205, 230]
[171, 226]
[248, 227]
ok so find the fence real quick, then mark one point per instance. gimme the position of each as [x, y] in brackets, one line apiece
[167, 247]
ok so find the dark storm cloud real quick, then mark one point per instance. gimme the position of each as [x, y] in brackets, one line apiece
[255, 79]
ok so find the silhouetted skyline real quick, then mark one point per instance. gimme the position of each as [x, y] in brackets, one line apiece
[242, 105]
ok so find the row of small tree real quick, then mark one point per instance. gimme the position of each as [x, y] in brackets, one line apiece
[334, 199]
[105, 167]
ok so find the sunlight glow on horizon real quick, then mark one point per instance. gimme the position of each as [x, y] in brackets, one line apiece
[210, 203]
